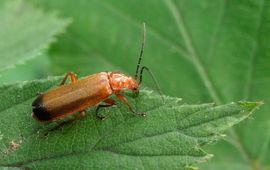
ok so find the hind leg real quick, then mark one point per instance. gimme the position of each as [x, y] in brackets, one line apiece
[79, 116]
[72, 76]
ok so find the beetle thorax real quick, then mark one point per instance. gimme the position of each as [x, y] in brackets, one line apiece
[119, 82]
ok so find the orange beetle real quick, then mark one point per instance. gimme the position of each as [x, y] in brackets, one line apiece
[80, 94]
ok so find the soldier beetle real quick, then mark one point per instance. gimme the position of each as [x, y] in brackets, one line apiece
[87, 92]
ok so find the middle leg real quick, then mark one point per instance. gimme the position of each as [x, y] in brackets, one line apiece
[109, 103]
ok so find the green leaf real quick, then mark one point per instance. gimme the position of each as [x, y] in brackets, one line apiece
[32, 69]
[170, 136]
[201, 50]
[25, 32]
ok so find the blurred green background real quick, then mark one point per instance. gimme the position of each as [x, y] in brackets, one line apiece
[199, 50]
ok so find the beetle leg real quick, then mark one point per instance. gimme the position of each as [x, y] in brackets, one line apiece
[125, 101]
[72, 76]
[79, 116]
[109, 103]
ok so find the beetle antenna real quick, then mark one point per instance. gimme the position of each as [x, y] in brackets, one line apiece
[141, 53]
[153, 78]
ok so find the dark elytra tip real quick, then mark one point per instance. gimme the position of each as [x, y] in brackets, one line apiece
[39, 111]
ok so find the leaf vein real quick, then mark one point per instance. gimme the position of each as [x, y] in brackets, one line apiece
[150, 29]
[201, 70]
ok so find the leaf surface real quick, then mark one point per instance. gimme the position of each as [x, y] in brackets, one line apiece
[204, 51]
[170, 136]
[25, 32]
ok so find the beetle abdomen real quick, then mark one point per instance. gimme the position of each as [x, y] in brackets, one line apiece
[39, 110]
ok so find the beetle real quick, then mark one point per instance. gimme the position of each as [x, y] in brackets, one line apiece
[90, 91]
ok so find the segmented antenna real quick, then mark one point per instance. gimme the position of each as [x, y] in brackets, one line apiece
[141, 53]
[153, 78]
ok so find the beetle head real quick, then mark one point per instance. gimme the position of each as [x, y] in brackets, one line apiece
[120, 82]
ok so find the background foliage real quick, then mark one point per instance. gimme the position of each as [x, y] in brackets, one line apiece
[200, 50]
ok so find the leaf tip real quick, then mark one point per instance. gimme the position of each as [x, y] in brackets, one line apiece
[250, 107]
[209, 156]
[222, 135]
[206, 158]
[191, 168]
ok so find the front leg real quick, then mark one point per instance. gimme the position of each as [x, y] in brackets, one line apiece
[125, 101]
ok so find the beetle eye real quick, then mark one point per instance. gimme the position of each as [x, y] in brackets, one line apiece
[134, 88]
